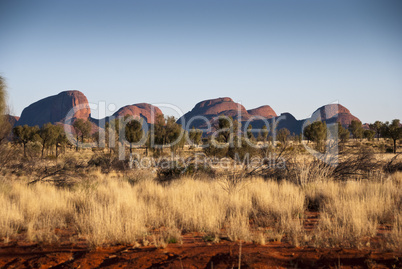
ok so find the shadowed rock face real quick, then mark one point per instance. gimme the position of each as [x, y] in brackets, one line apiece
[285, 120]
[12, 119]
[263, 111]
[143, 110]
[54, 109]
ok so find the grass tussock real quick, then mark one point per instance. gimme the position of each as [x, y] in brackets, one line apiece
[351, 212]
[113, 210]
[38, 210]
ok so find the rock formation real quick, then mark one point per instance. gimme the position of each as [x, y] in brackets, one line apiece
[205, 111]
[263, 111]
[210, 109]
[55, 109]
[144, 110]
[335, 113]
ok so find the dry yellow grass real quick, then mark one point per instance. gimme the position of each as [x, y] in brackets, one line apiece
[38, 210]
[110, 210]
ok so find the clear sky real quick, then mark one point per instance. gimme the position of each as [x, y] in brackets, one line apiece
[292, 55]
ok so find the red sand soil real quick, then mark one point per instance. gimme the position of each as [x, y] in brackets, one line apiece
[192, 253]
[73, 252]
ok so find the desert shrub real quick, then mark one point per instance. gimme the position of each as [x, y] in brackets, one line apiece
[194, 170]
[316, 197]
[209, 238]
[241, 150]
[107, 162]
[34, 149]
[8, 155]
[219, 151]
[271, 167]
[173, 236]
[361, 164]
[389, 150]
[134, 176]
[51, 158]
[168, 170]
[73, 163]
[303, 170]
[394, 165]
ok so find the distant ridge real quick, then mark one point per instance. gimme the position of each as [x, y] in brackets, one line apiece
[263, 115]
[54, 109]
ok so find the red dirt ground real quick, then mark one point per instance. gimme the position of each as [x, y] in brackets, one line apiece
[193, 253]
[72, 252]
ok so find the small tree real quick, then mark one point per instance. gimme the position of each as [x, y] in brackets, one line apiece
[393, 131]
[369, 134]
[167, 131]
[264, 133]
[241, 151]
[96, 137]
[112, 134]
[316, 132]
[48, 134]
[356, 129]
[225, 129]
[283, 136]
[25, 134]
[377, 126]
[159, 134]
[61, 139]
[134, 132]
[250, 132]
[343, 134]
[307, 132]
[195, 136]
[173, 133]
[217, 151]
[82, 129]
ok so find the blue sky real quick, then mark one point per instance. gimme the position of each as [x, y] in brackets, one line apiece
[293, 55]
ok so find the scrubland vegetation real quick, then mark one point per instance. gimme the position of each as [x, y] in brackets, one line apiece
[49, 185]
[109, 209]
